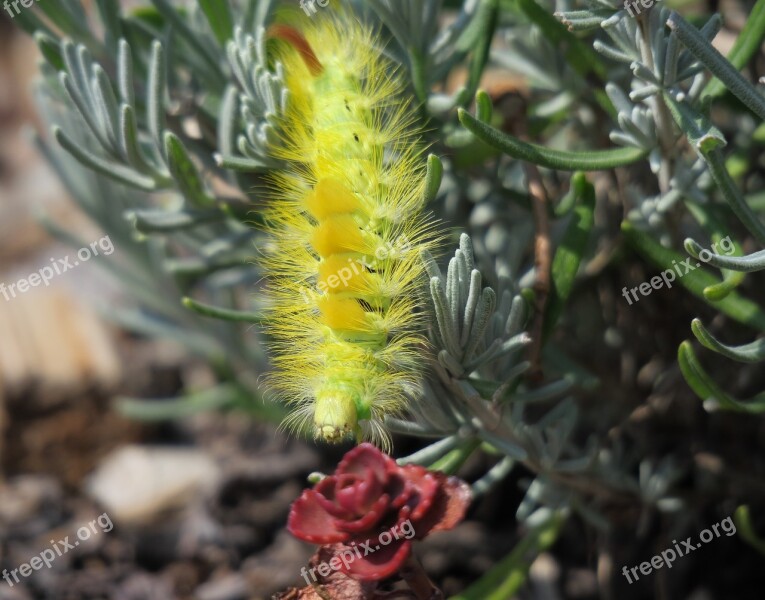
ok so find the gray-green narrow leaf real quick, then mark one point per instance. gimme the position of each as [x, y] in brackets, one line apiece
[593, 160]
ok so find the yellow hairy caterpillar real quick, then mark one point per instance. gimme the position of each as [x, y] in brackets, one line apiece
[344, 268]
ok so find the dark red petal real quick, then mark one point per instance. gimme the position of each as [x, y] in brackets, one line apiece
[399, 489]
[327, 492]
[310, 522]
[448, 509]
[363, 458]
[358, 495]
[376, 512]
[381, 563]
[425, 484]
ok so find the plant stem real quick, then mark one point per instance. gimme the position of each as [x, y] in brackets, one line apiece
[542, 264]
[419, 582]
[663, 120]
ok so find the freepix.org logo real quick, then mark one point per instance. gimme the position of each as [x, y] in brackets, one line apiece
[629, 5]
[309, 6]
[668, 276]
[352, 551]
[15, 4]
[58, 266]
[58, 548]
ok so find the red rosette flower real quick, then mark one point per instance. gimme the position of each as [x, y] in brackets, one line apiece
[371, 509]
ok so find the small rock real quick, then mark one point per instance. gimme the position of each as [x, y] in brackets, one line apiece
[278, 567]
[17, 592]
[229, 587]
[136, 483]
[142, 586]
[581, 583]
[29, 504]
[544, 574]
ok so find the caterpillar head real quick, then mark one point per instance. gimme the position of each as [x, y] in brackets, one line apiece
[335, 417]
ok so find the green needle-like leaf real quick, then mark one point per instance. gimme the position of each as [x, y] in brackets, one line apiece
[50, 49]
[569, 254]
[419, 74]
[729, 283]
[151, 220]
[506, 578]
[87, 112]
[703, 136]
[707, 389]
[486, 21]
[595, 160]
[747, 43]
[32, 24]
[218, 13]
[112, 170]
[130, 146]
[225, 314]
[484, 109]
[69, 17]
[185, 173]
[451, 463]
[582, 58]
[433, 178]
[707, 140]
[142, 409]
[198, 341]
[497, 473]
[240, 163]
[752, 262]
[125, 74]
[228, 121]
[155, 98]
[711, 58]
[109, 11]
[507, 447]
[705, 216]
[745, 529]
[433, 452]
[752, 352]
[732, 195]
[196, 42]
[694, 280]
